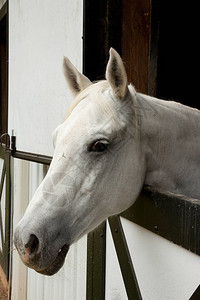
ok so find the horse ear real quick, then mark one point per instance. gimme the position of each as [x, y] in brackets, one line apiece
[76, 81]
[116, 75]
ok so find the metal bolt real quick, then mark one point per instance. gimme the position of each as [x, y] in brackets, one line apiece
[156, 228]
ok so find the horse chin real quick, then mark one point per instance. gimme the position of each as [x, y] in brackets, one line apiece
[56, 265]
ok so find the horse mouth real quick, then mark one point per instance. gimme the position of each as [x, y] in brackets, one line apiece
[55, 266]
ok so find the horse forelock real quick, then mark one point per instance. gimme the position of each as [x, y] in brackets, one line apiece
[96, 92]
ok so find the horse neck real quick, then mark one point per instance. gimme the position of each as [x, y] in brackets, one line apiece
[170, 138]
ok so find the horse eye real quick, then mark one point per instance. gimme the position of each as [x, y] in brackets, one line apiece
[99, 146]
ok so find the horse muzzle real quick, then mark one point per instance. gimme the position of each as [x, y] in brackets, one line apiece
[36, 255]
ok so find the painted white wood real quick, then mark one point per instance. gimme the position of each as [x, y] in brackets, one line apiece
[164, 270]
[115, 289]
[40, 34]
[21, 196]
[2, 204]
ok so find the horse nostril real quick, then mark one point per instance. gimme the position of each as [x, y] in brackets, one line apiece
[32, 245]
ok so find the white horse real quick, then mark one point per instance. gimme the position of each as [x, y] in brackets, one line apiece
[112, 142]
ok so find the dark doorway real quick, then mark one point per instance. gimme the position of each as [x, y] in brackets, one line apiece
[158, 41]
[177, 52]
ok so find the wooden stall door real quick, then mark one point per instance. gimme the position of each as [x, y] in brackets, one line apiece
[139, 43]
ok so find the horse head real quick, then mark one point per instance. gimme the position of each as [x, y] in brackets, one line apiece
[97, 168]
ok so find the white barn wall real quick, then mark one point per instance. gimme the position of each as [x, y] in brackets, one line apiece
[20, 181]
[164, 270]
[2, 204]
[40, 33]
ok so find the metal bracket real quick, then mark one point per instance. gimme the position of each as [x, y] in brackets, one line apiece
[9, 144]
[5, 137]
